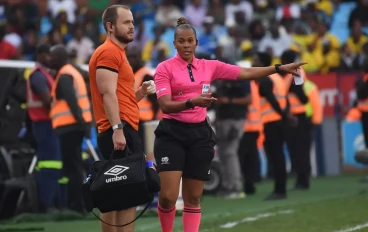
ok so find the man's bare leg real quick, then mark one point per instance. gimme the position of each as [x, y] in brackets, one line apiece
[123, 217]
[109, 218]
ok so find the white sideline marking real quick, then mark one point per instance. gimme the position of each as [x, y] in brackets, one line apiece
[357, 227]
[255, 218]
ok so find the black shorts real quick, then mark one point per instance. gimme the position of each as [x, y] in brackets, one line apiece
[187, 147]
[106, 146]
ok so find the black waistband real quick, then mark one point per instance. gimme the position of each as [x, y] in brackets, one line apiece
[185, 124]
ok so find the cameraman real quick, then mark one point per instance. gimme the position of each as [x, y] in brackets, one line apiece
[233, 99]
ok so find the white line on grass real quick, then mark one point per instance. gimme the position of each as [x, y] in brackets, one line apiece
[255, 218]
[357, 227]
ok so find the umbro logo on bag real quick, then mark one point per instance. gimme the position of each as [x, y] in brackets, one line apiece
[115, 171]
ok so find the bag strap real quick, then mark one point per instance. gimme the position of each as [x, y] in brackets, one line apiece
[144, 210]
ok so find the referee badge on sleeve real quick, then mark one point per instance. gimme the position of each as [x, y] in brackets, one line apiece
[205, 88]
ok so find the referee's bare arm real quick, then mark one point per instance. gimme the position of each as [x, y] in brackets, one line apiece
[260, 72]
[106, 83]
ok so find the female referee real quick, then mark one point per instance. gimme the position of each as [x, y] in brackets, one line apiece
[184, 144]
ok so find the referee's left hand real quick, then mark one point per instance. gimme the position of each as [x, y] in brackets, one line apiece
[292, 68]
[203, 100]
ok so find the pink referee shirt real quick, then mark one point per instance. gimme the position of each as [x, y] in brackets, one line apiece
[172, 78]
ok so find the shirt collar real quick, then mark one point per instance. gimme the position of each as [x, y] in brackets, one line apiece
[183, 64]
[112, 42]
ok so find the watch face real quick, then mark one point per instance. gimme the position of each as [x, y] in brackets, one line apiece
[118, 126]
[189, 104]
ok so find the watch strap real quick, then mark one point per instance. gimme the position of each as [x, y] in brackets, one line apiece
[117, 126]
[277, 67]
[189, 104]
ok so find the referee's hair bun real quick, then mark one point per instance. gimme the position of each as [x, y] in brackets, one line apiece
[182, 21]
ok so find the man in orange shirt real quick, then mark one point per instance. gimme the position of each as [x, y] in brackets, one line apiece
[114, 99]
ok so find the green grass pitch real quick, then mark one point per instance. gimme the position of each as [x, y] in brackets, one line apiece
[332, 204]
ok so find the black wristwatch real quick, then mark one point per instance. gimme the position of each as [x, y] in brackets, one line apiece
[117, 126]
[189, 104]
[277, 67]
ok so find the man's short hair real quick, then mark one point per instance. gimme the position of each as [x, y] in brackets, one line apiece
[365, 64]
[111, 14]
[43, 48]
[2, 32]
[288, 56]
[265, 58]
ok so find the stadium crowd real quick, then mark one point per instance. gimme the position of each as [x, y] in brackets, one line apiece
[232, 29]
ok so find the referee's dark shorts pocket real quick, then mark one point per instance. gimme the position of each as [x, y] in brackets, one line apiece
[169, 153]
[200, 155]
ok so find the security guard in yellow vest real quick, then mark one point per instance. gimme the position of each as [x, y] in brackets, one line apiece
[314, 109]
[148, 106]
[297, 136]
[71, 117]
[363, 101]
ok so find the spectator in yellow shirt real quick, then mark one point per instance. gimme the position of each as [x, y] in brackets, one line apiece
[323, 44]
[153, 48]
[357, 39]
[326, 6]
[331, 57]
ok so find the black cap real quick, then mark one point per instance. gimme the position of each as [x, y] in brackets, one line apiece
[43, 48]
[265, 58]
[288, 56]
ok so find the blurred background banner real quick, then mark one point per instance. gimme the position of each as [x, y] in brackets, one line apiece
[352, 141]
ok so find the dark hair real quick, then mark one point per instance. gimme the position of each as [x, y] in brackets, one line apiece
[111, 14]
[183, 23]
[358, 83]
[365, 47]
[288, 56]
[365, 65]
[2, 32]
[43, 48]
[265, 58]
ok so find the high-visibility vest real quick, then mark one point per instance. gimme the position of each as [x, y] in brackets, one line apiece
[296, 106]
[60, 112]
[253, 119]
[363, 104]
[353, 115]
[36, 110]
[49, 164]
[314, 109]
[145, 106]
[268, 114]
